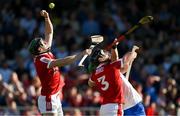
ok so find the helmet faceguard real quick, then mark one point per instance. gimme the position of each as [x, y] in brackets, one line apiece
[96, 55]
[94, 59]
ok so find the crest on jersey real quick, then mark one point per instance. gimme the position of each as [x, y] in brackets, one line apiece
[99, 70]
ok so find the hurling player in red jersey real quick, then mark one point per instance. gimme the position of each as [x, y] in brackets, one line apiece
[47, 69]
[106, 79]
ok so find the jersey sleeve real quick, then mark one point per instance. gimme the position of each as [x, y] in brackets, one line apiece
[118, 63]
[46, 61]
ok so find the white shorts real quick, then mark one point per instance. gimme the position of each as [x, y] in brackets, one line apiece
[111, 109]
[50, 104]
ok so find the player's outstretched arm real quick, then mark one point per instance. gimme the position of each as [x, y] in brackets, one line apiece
[115, 57]
[69, 59]
[48, 28]
[127, 58]
[114, 52]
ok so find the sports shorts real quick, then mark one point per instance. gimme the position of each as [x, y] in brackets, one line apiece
[111, 109]
[50, 104]
[137, 110]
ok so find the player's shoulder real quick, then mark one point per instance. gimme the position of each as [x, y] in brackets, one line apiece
[116, 61]
[48, 55]
[44, 58]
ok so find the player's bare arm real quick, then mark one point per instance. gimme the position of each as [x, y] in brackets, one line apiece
[48, 28]
[115, 56]
[127, 58]
[114, 52]
[69, 59]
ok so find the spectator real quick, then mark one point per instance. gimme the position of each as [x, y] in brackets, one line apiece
[28, 22]
[90, 26]
[5, 71]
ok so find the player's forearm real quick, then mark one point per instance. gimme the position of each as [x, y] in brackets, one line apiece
[66, 61]
[48, 26]
[114, 54]
[48, 31]
[128, 57]
[70, 59]
[124, 69]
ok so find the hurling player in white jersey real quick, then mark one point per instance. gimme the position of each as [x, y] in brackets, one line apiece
[133, 101]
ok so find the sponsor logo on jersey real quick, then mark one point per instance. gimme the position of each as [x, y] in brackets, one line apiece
[99, 70]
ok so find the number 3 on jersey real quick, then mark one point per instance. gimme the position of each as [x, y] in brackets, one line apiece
[104, 83]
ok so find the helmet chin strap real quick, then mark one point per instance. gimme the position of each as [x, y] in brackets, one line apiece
[47, 50]
[106, 61]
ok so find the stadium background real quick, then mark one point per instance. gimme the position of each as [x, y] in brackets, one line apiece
[155, 73]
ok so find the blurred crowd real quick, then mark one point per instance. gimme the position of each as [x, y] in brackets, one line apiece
[155, 73]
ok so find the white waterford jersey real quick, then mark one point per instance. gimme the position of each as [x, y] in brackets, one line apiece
[131, 96]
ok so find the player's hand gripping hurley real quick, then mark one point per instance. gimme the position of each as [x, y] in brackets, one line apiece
[130, 65]
[142, 21]
[95, 40]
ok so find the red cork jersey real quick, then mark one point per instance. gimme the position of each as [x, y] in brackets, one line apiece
[50, 78]
[108, 82]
